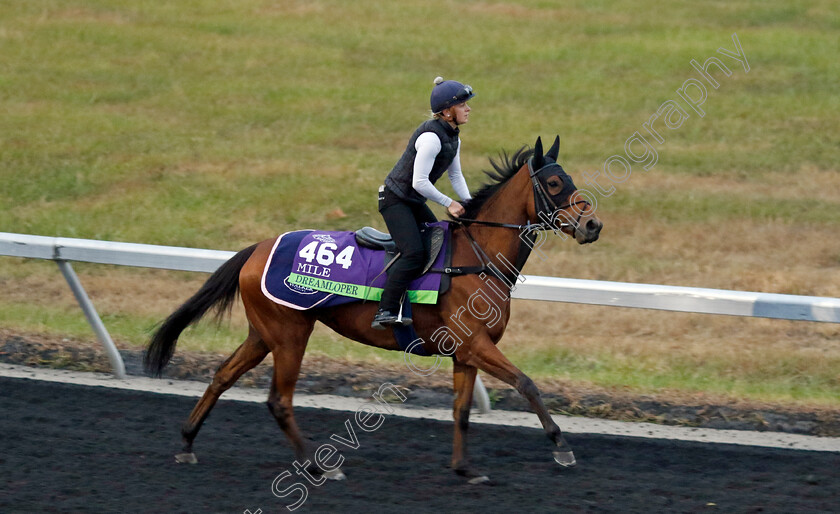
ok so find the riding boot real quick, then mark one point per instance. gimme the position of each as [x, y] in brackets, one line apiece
[388, 318]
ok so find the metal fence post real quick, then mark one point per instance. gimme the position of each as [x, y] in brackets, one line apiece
[93, 318]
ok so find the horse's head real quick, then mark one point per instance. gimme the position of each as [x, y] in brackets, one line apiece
[556, 201]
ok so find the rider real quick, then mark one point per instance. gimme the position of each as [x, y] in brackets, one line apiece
[433, 148]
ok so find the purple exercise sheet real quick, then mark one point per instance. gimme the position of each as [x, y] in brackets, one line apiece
[316, 268]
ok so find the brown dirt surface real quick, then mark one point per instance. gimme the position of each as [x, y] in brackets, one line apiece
[323, 375]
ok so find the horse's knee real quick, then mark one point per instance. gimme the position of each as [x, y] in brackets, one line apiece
[527, 387]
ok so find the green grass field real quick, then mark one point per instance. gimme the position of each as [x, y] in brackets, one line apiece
[217, 124]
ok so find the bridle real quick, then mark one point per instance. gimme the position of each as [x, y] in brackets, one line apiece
[546, 209]
[549, 208]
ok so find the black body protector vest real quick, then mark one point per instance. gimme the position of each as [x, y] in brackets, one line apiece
[400, 179]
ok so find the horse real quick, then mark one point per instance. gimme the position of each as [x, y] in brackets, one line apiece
[528, 191]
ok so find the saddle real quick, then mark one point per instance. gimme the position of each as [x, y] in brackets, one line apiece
[433, 238]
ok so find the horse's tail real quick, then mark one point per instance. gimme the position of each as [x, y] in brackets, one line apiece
[219, 291]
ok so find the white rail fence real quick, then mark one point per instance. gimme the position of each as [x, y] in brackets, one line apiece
[594, 292]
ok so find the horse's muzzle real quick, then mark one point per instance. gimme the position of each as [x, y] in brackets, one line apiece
[589, 233]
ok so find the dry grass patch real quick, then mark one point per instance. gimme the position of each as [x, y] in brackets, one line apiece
[739, 254]
[808, 182]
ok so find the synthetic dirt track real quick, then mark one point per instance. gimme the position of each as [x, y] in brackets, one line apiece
[74, 448]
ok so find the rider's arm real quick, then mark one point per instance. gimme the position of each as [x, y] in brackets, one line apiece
[427, 146]
[457, 177]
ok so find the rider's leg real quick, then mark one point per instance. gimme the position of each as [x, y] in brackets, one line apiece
[400, 217]
[423, 214]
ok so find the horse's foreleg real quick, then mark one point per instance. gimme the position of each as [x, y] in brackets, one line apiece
[246, 357]
[464, 380]
[487, 357]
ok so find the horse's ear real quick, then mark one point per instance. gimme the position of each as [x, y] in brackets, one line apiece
[539, 161]
[554, 151]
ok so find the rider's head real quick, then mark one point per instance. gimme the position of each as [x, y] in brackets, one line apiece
[449, 101]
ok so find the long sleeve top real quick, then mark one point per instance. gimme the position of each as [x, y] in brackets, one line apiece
[428, 146]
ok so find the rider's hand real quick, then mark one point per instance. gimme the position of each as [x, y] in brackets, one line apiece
[455, 209]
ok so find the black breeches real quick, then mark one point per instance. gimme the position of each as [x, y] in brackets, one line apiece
[404, 221]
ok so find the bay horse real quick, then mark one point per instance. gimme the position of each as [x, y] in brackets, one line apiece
[528, 191]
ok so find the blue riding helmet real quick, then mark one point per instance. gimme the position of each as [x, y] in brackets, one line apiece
[447, 93]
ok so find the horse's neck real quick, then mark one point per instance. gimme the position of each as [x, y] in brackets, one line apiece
[508, 205]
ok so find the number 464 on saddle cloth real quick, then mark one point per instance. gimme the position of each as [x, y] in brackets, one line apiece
[314, 268]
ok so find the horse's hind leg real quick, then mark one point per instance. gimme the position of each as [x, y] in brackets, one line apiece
[247, 356]
[288, 338]
[487, 357]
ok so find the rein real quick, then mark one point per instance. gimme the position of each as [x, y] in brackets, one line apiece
[486, 265]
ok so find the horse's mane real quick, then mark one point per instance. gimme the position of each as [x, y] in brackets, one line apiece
[505, 169]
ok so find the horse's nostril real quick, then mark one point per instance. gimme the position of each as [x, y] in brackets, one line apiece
[594, 226]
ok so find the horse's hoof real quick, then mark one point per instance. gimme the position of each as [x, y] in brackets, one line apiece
[483, 479]
[472, 477]
[335, 474]
[186, 458]
[565, 458]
